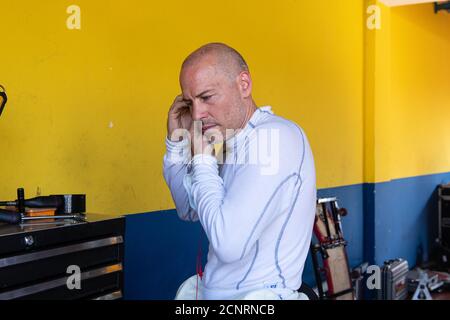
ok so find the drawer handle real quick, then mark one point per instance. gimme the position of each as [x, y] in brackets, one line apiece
[44, 286]
[10, 261]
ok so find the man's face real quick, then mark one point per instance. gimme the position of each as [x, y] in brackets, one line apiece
[212, 96]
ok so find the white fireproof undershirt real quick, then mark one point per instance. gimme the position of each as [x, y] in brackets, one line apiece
[257, 209]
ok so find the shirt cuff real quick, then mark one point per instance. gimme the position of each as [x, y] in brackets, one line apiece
[178, 151]
[204, 163]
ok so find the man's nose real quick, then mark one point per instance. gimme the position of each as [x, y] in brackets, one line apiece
[199, 111]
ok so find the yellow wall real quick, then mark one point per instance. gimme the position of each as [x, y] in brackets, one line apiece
[411, 93]
[66, 86]
[420, 77]
[87, 108]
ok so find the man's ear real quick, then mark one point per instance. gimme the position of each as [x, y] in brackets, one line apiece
[245, 84]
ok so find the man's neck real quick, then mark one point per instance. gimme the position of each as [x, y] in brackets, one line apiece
[249, 110]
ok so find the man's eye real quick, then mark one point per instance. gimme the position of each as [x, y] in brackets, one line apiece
[205, 98]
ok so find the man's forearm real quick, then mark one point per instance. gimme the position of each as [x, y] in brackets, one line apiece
[175, 166]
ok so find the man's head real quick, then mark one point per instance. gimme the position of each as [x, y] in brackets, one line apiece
[216, 84]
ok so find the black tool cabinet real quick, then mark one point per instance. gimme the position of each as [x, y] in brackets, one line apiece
[38, 259]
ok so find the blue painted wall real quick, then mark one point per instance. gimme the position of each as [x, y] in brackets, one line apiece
[385, 220]
[160, 252]
[406, 216]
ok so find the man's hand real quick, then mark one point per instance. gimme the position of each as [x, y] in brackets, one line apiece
[179, 116]
[200, 143]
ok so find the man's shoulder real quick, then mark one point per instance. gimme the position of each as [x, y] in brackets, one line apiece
[286, 129]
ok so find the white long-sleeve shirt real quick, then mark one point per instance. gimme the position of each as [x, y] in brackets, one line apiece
[257, 209]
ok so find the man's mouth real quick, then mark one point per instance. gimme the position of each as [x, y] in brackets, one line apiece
[207, 127]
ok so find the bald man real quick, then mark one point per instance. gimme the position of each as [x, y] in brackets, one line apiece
[254, 197]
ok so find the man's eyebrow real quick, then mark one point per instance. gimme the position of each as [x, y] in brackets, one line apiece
[206, 91]
[198, 96]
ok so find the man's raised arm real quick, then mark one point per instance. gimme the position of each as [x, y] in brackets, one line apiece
[177, 157]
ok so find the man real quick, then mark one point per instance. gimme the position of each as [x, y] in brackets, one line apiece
[257, 210]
